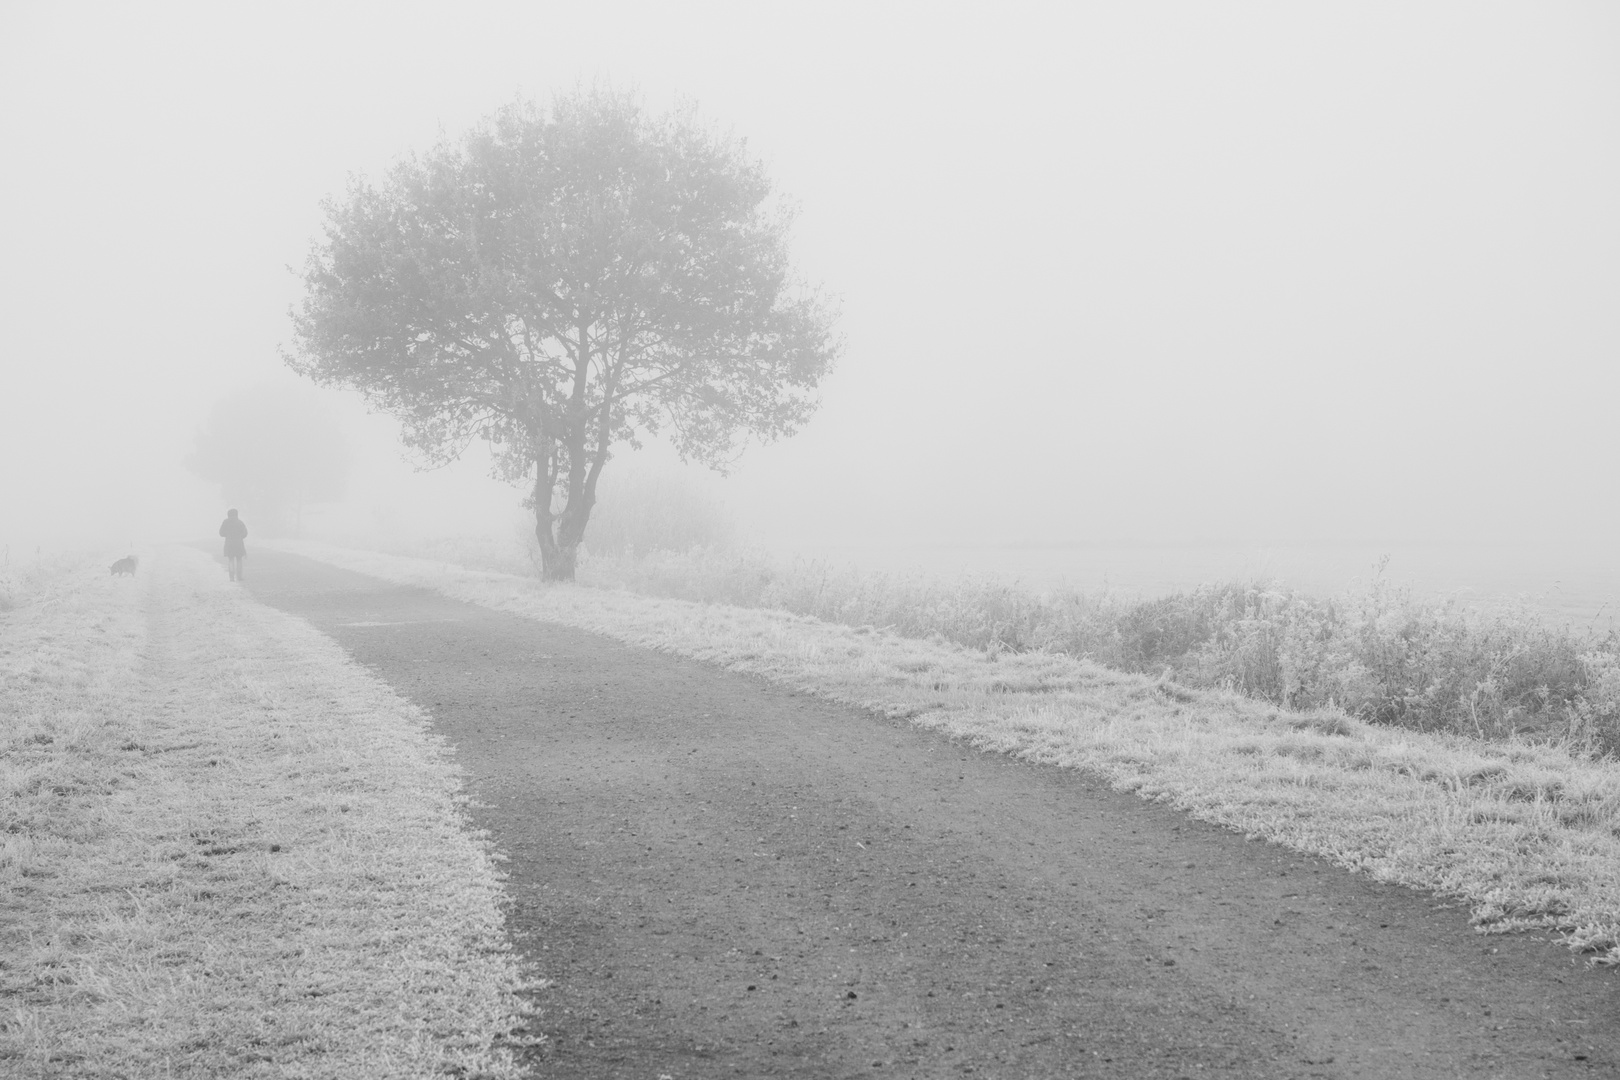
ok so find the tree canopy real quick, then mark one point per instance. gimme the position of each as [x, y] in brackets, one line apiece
[563, 280]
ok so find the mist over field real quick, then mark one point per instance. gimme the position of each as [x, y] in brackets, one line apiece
[1132, 294]
[1033, 538]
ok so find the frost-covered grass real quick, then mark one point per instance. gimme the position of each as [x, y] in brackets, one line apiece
[1378, 652]
[1525, 831]
[225, 849]
[29, 578]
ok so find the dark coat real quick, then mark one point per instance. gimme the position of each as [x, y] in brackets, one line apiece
[234, 533]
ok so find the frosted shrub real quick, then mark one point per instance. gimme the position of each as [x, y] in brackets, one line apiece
[1377, 652]
[1597, 708]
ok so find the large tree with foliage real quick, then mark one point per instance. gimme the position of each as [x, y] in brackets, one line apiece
[560, 281]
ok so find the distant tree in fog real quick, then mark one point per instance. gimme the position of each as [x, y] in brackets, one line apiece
[560, 281]
[272, 450]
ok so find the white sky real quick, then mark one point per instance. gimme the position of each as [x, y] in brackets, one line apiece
[1130, 270]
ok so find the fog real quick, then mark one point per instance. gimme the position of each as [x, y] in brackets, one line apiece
[1256, 278]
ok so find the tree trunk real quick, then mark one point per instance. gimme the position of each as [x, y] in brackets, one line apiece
[559, 551]
[556, 562]
[559, 554]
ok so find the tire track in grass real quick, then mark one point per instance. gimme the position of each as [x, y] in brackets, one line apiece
[242, 855]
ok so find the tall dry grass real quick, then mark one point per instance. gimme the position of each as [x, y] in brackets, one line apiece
[1380, 652]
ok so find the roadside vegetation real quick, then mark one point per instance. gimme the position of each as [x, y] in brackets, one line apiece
[1380, 653]
[227, 850]
[30, 578]
[1527, 830]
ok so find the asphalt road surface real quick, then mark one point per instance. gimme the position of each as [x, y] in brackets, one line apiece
[726, 878]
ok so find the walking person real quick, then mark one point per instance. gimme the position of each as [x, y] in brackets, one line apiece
[234, 531]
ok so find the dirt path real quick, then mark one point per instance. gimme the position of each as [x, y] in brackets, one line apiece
[726, 878]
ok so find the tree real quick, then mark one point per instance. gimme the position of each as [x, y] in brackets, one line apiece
[562, 281]
[272, 450]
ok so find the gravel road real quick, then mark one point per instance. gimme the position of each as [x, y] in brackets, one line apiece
[727, 878]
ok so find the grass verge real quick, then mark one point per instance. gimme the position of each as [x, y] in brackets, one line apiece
[1526, 833]
[225, 849]
[1380, 652]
